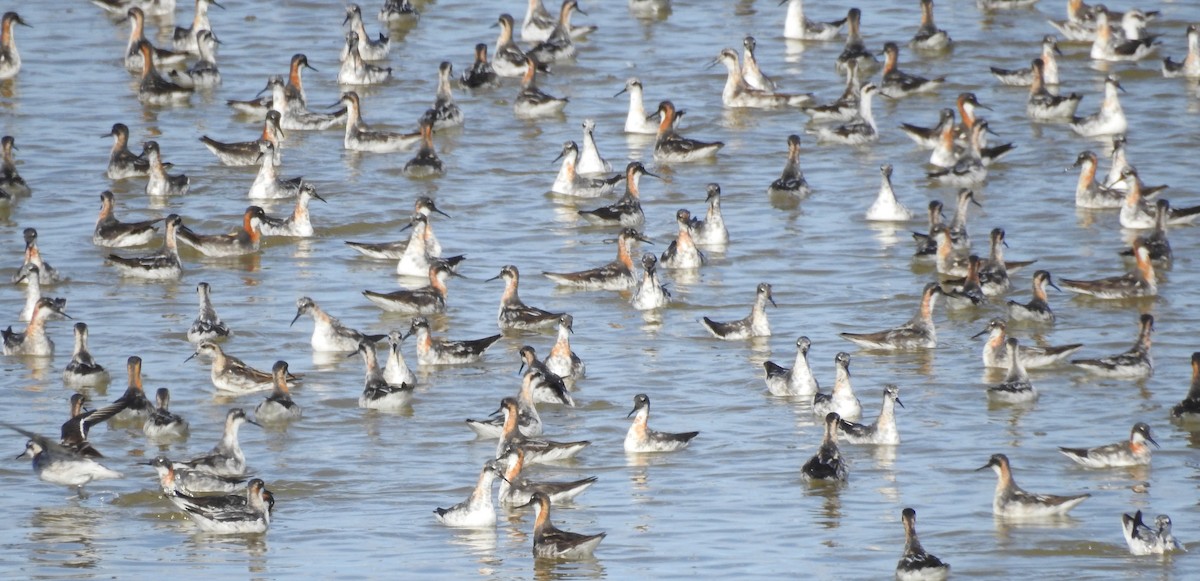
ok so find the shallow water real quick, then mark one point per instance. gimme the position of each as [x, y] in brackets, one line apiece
[356, 489]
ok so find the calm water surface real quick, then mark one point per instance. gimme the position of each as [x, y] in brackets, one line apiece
[356, 489]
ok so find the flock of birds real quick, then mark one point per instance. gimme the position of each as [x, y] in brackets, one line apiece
[213, 490]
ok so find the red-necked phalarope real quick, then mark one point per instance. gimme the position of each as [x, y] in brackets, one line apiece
[251, 517]
[481, 75]
[538, 24]
[969, 170]
[515, 314]
[797, 27]
[682, 253]
[245, 240]
[60, 465]
[431, 351]
[1133, 452]
[886, 208]
[278, 408]
[841, 399]
[395, 369]
[1139, 282]
[537, 451]
[207, 326]
[754, 325]
[33, 340]
[477, 511]
[293, 92]
[356, 71]
[563, 361]
[10, 59]
[616, 275]
[738, 93]
[1110, 119]
[203, 74]
[395, 250]
[797, 381]
[161, 184]
[510, 59]
[897, 83]
[425, 164]
[845, 108]
[427, 300]
[1014, 502]
[226, 458]
[935, 137]
[967, 291]
[827, 463]
[1089, 193]
[751, 74]
[122, 163]
[230, 374]
[1143, 540]
[1080, 25]
[399, 13]
[559, 46]
[329, 334]
[626, 212]
[640, 438]
[372, 50]
[1189, 408]
[187, 39]
[532, 102]
[1016, 388]
[11, 181]
[636, 120]
[114, 233]
[1190, 65]
[445, 113]
[550, 542]
[154, 89]
[1032, 357]
[858, 132]
[136, 408]
[517, 490]
[298, 224]
[1136, 363]
[161, 265]
[855, 49]
[1038, 309]
[929, 36]
[1025, 77]
[417, 256]
[33, 292]
[590, 161]
[650, 292]
[918, 564]
[379, 393]
[917, 333]
[569, 182]
[550, 388]
[1107, 46]
[994, 270]
[137, 35]
[74, 431]
[33, 257]
[1136, 212]
[176, 480]
[670, 146]
[162, 423]
[529, 422]
[244, 153]
[883, 431]
[1044, 105]
[267, 184]
[711, 230]
[83, 371]
[791, 182]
